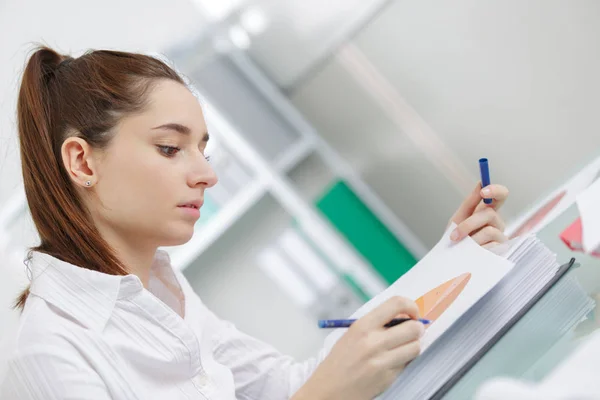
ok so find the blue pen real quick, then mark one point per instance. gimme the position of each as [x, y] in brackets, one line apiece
[485, 176]
[345, 323]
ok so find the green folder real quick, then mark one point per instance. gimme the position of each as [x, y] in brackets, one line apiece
[355, 221]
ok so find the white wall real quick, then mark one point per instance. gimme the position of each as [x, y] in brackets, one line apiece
[515, 81]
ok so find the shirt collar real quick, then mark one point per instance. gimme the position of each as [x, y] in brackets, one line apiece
[86, 295]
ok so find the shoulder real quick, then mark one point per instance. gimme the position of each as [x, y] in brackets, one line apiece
[44, 328]
[49, 359]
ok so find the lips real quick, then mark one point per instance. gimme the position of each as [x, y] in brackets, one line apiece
[191, 209]
[192, 204]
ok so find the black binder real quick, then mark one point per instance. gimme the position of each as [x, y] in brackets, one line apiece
[445, 388]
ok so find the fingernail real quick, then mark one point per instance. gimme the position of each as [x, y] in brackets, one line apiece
[455, 235]
[486, 191]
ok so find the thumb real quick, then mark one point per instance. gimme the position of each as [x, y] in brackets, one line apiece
[468, 205]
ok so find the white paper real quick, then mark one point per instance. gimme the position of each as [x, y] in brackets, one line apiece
[588, 203]
[444, 262]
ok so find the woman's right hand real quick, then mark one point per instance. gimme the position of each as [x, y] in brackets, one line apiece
[368, 357]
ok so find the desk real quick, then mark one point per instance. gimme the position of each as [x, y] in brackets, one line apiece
[534, 346]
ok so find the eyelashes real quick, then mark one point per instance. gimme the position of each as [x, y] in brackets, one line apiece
[171, 151]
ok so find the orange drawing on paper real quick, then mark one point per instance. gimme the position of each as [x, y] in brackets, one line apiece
[433, 303]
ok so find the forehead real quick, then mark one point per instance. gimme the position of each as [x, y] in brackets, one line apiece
[170, 102]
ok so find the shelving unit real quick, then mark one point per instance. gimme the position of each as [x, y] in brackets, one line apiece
[259, 125]
[281, 189]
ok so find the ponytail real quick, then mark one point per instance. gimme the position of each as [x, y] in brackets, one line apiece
[86, 95]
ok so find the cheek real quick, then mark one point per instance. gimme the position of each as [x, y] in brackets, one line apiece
[138, 187]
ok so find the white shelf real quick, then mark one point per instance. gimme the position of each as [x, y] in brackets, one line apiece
[282, 105]
[281, 188]
[295, 155]
[182, 256]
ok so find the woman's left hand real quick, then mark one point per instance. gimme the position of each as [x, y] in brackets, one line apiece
[479, 220]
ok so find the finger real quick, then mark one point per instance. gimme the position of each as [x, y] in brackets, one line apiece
[388, 310]
[402, 334]
[400, 356]
[477, 221]
[489, 234]
[498, 193]
[482, 206]
[490, 245]
[468, 205]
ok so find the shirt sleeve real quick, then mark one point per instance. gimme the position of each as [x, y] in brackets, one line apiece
[50, 374]
[259, 370]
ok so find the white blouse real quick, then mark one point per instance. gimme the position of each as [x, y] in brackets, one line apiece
[88, 335]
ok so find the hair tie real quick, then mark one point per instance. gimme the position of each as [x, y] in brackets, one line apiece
[65, 62]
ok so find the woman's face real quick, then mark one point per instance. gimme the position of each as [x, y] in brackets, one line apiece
[150, 180]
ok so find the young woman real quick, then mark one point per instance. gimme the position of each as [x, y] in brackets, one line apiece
[112, 150]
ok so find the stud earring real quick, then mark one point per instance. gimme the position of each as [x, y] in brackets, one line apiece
[88, 183]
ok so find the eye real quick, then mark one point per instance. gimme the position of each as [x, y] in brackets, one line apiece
[168, 151]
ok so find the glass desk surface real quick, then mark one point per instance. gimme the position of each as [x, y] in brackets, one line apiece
[533, 347]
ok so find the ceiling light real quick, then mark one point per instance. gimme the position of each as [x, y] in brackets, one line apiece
[254, 20]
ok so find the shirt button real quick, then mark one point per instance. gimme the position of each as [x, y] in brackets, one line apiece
[200, 380]
[204, 383]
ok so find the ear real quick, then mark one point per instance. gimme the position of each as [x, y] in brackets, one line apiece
[78, 159]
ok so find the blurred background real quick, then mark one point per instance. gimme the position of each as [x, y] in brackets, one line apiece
[346, 134]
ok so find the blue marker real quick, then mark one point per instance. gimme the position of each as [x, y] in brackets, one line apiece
[485, 176]
[345, 323]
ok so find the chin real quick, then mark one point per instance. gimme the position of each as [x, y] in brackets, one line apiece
[178, 238]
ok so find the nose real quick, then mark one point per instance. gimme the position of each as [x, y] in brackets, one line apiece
[202, 174]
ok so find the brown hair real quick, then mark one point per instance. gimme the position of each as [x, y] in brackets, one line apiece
[61, 96]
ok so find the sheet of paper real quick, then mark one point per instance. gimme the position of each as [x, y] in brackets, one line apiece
[588, 204]
[443, 263]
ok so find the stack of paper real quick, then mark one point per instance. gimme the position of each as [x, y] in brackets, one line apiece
[498, 288]
[542, 336]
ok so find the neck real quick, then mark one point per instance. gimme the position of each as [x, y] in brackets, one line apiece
[136, 257]
[137, 262]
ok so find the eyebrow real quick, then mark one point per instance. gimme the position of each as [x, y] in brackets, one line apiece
[184, 130]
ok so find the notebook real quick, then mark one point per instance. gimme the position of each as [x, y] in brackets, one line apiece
[487, 290]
